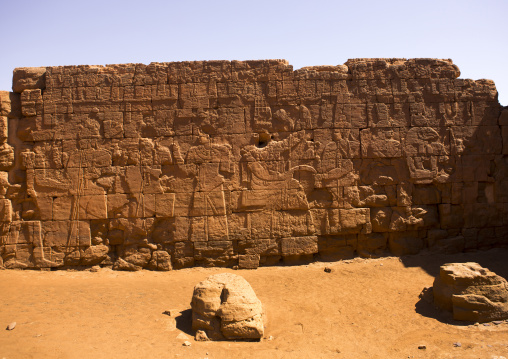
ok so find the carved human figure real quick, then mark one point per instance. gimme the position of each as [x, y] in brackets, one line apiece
[335, 166]
[392, 148]
[426, 156]
[259, 175]
[378, 142]
[210, 162]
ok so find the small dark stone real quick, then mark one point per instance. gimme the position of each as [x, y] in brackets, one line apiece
[457, 345]
[328, 269]
[422, 347]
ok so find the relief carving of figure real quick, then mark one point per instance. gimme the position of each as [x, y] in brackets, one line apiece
[426, 156]
[211, 162]
[335, 166]
[278, 169]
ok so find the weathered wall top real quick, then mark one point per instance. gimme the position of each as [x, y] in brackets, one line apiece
[248, 163]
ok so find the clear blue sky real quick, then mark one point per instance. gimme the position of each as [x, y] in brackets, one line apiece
[57, 32]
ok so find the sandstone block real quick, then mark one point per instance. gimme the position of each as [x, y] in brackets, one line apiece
[27, 78]
[471, 292]
[297, 246]
[66, 233]
[372, 245]
[248, 261]
[79, 207]
[404, 243]
[18, 256]
[161, 260]
[332, 248]
[94, 255]
[45, 257]
[165, 204]
[226, 307]
[24, 232]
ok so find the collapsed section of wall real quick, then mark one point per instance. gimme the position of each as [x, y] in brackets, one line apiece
[222, 163]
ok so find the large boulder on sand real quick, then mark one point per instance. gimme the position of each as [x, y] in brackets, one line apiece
[226, 307]
[471, 292]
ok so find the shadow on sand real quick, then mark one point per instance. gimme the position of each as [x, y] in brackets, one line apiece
[494, 259]
[425, 307]
[184, 322]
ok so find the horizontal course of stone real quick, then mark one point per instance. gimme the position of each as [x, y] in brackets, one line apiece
[247, 163]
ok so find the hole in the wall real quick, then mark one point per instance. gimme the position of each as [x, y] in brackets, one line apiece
[223, 296]
[263, 140]
[261, 144]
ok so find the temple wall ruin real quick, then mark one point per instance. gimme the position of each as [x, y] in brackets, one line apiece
[248, 163]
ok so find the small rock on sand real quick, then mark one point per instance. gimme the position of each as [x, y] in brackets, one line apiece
[201, 336]
[11, 326]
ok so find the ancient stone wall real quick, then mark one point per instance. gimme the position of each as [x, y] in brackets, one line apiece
[248, 163]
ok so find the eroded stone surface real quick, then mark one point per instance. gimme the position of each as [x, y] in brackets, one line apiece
[225, 306]
[248, 163]
[471, 292]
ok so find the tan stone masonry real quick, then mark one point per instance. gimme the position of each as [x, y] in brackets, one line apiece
[248, 163]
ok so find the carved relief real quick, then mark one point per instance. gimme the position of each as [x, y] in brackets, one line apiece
[246, 163]
[426, 155]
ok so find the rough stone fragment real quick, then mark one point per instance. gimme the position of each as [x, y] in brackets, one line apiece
[201, 336]
[94, 255]
[27, 78]
[471, 292]
[226, 307]
[121, 264]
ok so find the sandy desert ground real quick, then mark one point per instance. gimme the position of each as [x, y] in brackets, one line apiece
[364, 308]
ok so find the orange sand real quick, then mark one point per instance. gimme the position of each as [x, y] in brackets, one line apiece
[362, 309]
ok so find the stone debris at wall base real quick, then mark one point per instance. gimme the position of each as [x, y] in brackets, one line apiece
[471, 292]
[248, 163]
[224, 306]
